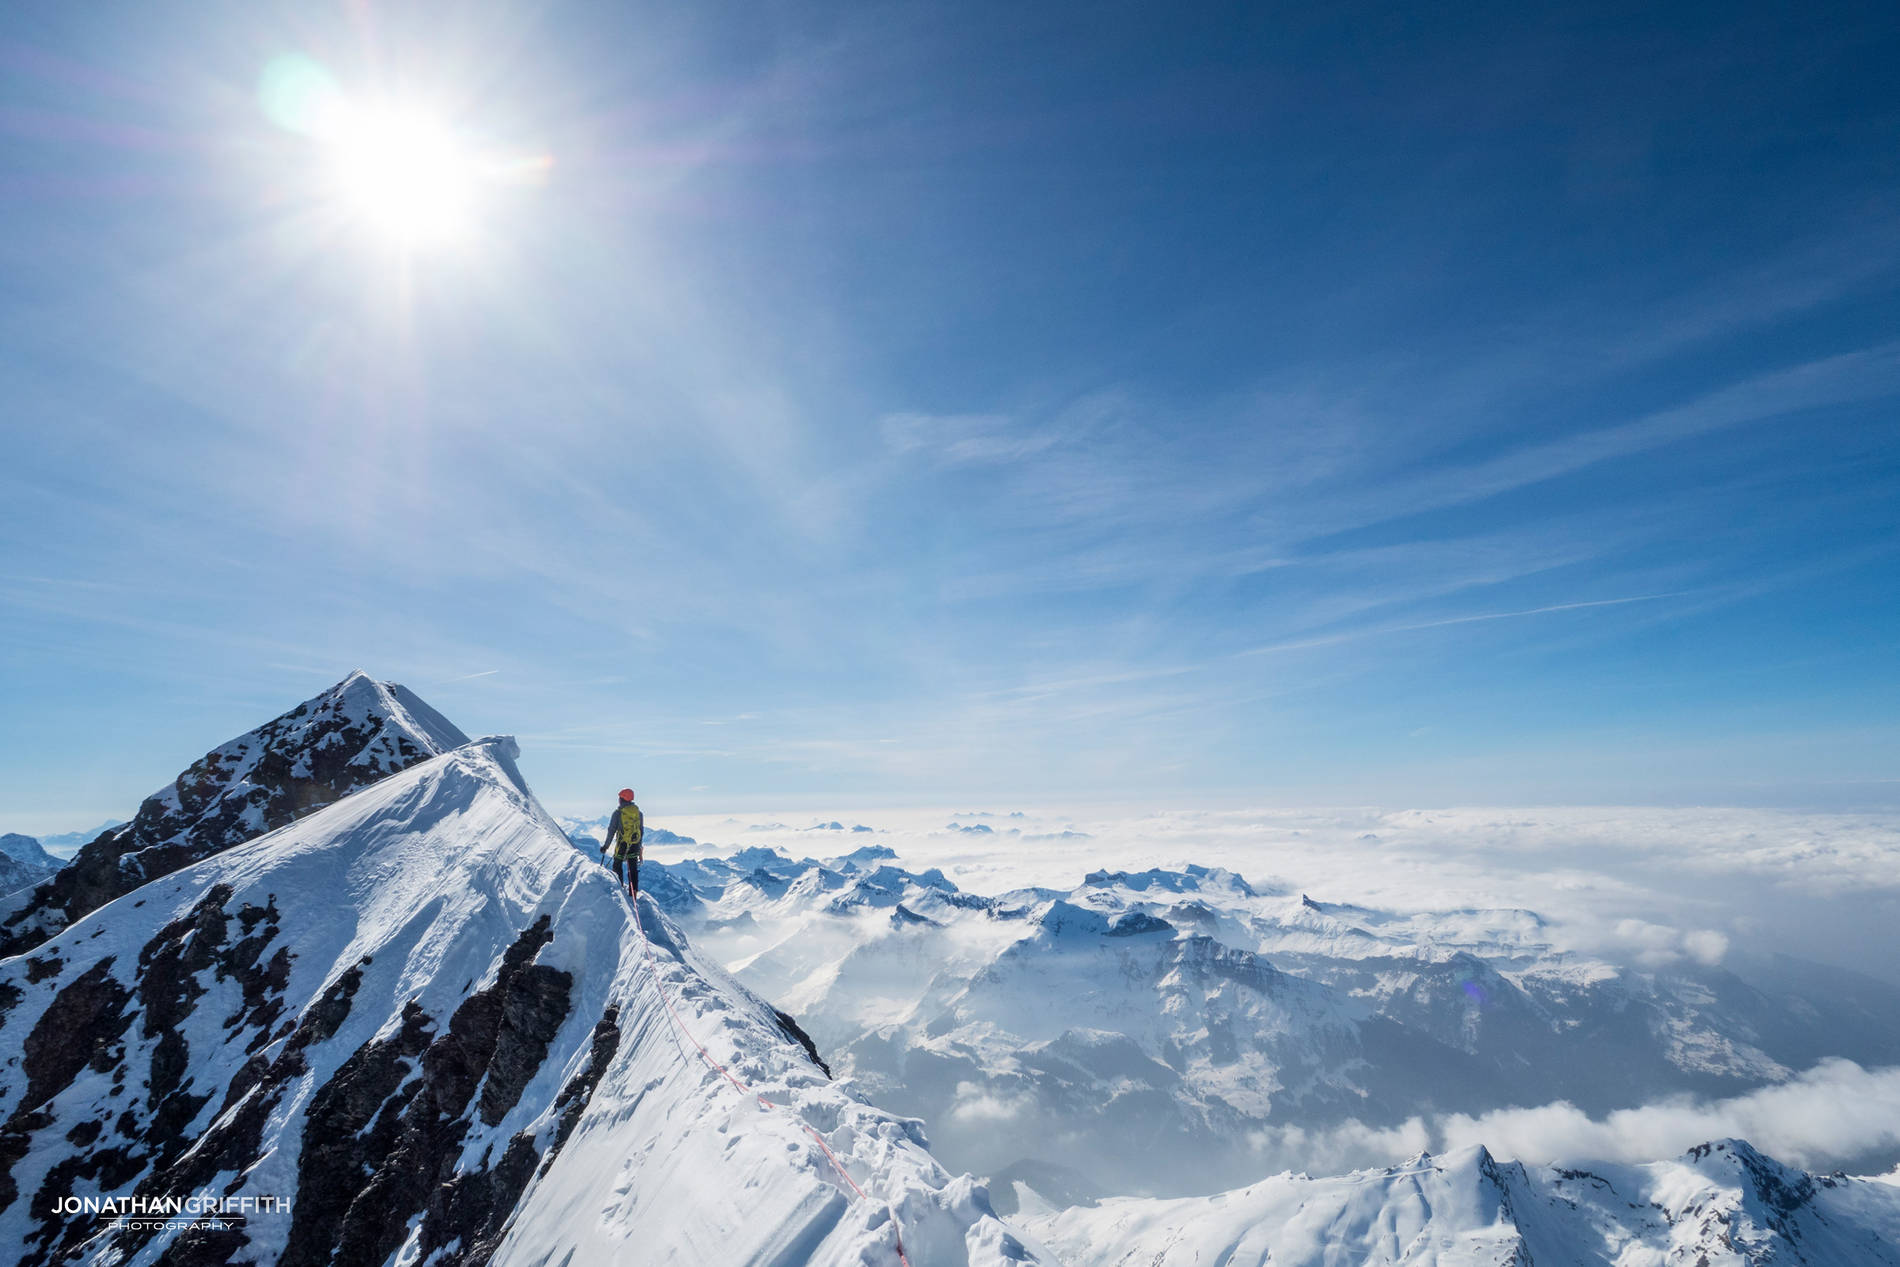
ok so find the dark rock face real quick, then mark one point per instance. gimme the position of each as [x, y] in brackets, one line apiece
[81, 1027]
[796, 1033]
[382, 1136]
[580, 1089]
[91, 1023]
[470, 1211]
[168, 991]
[235, 1139]
[345, 739]
[350, 1130]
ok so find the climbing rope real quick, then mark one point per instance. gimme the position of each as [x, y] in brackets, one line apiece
[653, 972]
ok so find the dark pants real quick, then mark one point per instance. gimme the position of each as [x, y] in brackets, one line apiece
[627, 871]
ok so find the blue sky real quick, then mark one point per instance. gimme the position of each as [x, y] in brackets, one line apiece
[891, 404]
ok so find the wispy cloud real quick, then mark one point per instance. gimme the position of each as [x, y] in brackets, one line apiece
[998, 438]
[1328, 640]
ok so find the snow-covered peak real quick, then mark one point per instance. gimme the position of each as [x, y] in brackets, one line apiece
[394, 706]
[868, 857]
[344, 739]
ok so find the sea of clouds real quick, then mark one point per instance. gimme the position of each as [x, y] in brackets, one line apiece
[1643, 887]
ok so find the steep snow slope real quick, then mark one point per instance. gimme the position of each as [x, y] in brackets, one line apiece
[436, 1028]
[353, 734]
[1720, 1205]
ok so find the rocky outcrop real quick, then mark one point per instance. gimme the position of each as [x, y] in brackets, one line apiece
[90, 1024]
[383, 1134]
[464, 1222]
[81, 1028]
[792, 1030]
[381, 1139]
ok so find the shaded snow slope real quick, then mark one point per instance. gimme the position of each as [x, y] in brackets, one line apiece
[1720, 1205]
[433, 1025]
[350, 736]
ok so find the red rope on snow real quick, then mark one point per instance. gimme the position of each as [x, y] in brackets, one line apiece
[742, 1089]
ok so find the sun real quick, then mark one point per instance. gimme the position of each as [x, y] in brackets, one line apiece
[405, 175]
[397, 168]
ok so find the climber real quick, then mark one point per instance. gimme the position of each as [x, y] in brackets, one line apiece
[625, 832]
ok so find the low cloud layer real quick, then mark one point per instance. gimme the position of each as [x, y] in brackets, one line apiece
[1644, 887]
[1835, 1115]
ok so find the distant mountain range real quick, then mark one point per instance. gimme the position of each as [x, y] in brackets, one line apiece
[67, 843]
[1722, 1204]
[1045, 1031]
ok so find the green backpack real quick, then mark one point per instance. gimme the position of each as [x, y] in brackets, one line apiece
[626, 831]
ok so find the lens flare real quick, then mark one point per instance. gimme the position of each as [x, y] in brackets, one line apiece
[299, 95]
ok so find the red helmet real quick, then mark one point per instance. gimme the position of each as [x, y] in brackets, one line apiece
[626, 794]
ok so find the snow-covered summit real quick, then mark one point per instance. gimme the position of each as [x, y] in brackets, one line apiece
[445, 1036]
[353, 734]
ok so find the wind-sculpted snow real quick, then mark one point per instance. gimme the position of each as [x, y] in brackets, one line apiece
[430, 1024]
[350, 736]
[1179, 1031]
[1720, 1205]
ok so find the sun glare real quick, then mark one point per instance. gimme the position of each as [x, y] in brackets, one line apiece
[398, 169]
[406, 176]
